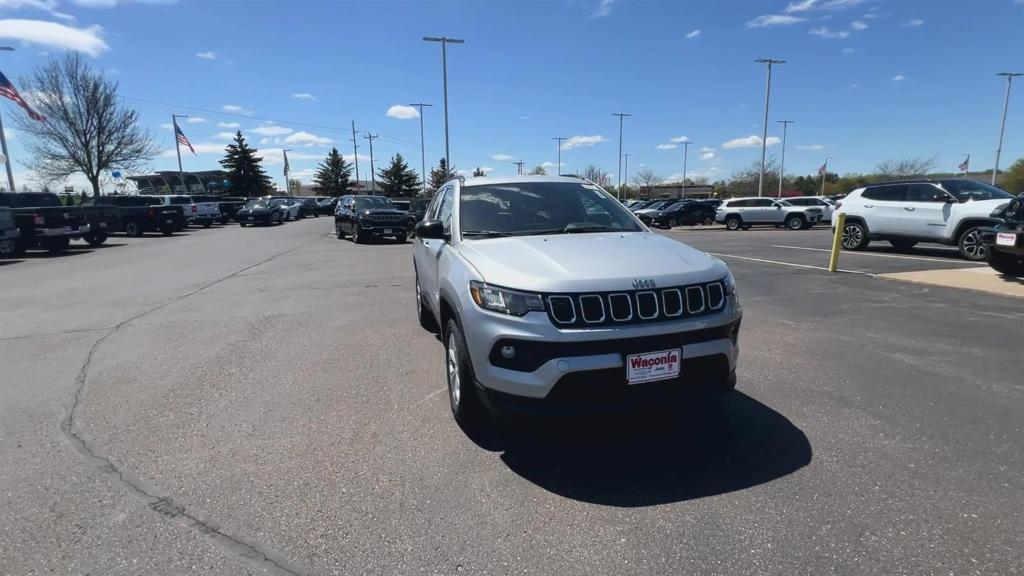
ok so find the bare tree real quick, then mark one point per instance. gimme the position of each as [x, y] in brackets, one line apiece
[597, 176]
[538, 171]
[905, 167]
[87, 129]
[744, 182]
[646, 179]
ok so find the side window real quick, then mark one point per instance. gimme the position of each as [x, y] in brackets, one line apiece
[925, 193]
[431, 212]
[444, 209]
[736, 204]
[798, 201]
[762, 203]
[890, 193]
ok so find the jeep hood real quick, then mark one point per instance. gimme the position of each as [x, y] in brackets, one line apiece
[588, 261]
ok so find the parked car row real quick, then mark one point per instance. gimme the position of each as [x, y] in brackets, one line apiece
[743, 213]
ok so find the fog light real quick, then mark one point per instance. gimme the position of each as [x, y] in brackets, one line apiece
[508, 352]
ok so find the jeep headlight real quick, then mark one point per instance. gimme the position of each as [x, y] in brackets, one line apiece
[504, 300]
[732, 298]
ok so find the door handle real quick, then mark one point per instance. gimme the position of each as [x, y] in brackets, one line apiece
[909, 208]
[869, 205]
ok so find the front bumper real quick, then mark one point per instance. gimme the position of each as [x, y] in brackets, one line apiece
[371, 228]
[989, 238]
[555, 365]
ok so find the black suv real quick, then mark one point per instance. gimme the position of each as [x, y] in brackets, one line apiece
[685, 214]
[368, 217]
[1004, 244]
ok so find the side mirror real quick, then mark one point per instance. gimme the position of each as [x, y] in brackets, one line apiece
[431, 229]
[950, 200]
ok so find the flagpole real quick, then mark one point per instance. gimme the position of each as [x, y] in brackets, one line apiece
[177, 148]
[7, 157]
[824, 171]
[287, 184]
[967, 165]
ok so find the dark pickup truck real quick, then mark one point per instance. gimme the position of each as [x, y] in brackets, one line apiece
[42, 221]
[101, 220]
[1004, 244]
[141, 214]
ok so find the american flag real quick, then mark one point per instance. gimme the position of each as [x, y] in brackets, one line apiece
[965, 164]
[182, 139]
[823, 169]
[7, 90]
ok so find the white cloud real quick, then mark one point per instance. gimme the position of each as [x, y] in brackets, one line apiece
[604, 8]
[707, 156]
[236, 109]
[848, 50]
[800, 6]
[307, 139]
[548, 165]
[224, 135]
[195, 120]
[858, 25]
[167, 126]
[200, 148]
[810, 147]
[806, 5]
[913, 23]
[228, 124]
[206, 55]
[524, 117]
[55, 35]
[841, 4]
[825, 32]
[679, 139]
[402, 112]
[899, 78]
[768, 20]
[276, 156]
[854, 86]
[578, 141]
[707, 149]
[272, 130]
[749, 142]
[693, 34]
[503, 157]
[113, 3]
[303, 96]
[667, 146]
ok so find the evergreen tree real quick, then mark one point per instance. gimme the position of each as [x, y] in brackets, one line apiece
[332, 175]
[478, 172]
[398, 179]
[440, 175]
[245, 172]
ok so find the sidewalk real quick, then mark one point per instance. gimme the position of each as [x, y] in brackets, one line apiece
[981, 279]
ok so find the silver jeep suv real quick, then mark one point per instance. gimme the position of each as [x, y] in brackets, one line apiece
[551, 296]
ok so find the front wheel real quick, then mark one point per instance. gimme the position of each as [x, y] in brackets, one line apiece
[424, 315]
[400, 238]
[970, 245]
[133, 229]
[95, 238]
[338, 232]
[462, 398]
[855, 236]
[11, 249]
[709, 221]
[733, 223]
[1007, 264]
[795, 222]
[207, 224]
[57, 245]
[357, 234]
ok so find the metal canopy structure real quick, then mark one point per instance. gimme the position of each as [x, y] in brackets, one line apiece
[170, 182]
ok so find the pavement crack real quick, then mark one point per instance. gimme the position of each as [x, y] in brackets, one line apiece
[164, 505]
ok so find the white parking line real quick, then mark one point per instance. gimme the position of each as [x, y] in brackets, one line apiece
[791, 264]
[853, 253]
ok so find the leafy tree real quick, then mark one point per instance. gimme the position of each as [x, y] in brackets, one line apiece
[744, 182]
[538, 171]
[439, 175]
[398, 179]
[905, 167]
[245, 171]
[332, 175]
[476, 173]
[86, 129]
[1012, 180]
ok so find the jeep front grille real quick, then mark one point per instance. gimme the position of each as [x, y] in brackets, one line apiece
[636, 306]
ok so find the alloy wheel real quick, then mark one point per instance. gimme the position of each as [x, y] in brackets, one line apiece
[454, 387]
[972, 245]
[852, 236]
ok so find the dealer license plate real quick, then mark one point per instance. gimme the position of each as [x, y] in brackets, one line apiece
[1004, 239]
[388, 231]
[250, 217]
[652, 366]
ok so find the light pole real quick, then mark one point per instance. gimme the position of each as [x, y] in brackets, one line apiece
[3, 141]
[423, 150]
[444, 68]
[373, 172]
[686, 154]
[1002, 125]
[782, 165]
[355, 151]
[621, 115]
[558, 167]
[519, 167]
[177, 148]
[625, 171]
[764, 137]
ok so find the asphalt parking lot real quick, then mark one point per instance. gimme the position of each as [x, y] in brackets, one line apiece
[263, 401]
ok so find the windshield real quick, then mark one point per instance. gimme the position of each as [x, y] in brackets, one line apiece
[255, 204]
[401, 205]
[372, 202]
[969, 190]
[525, 208]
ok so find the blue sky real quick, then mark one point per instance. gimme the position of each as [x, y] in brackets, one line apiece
[865, 80]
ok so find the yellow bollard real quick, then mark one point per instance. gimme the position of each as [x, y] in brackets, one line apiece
[837, 241]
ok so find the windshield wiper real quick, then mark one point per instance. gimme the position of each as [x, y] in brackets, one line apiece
[486, 233]
[575, 227]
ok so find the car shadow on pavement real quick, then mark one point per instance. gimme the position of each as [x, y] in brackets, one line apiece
[732, 445]
[44, 255]
[7, 262]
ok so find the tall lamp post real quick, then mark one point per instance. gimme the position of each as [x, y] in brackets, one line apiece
[1002, 125]
[782, 165]
[3, 141]
[686, 155]
[621, 115]
[423, 150]
[355, 151]
[764, 137]
[445, 41]
[558, 167]
[625, 171]
[373, 170]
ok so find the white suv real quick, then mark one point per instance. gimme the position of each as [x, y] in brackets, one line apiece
[738, 213]
[952, 211]
[550, 296]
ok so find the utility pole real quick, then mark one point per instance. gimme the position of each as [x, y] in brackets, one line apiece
[824, 172]
[177, 148]
[355, 151]
[621, 115]
[519, 167]
[558, 167]
[625, 171]
[1002, 125]
[444, 70]
[686, 155]
[423, 150]
[782, 165]
[373, 172]
[767, 98]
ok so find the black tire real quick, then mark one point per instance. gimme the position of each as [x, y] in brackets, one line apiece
[970, 245]
[462, 398]
[95, 238]
[11, 248]
[133, 229]
[672, 223]
[733, 223]
[338, 232]
[400, 238]
[207, 223]
[423, 314]
[855, 236]
[242, 224]
[357, 236]
[709, 221]
[795, 222]
[165, 231]
[224, 220]
[56, 245]
[903, 244]
[1006, 264]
